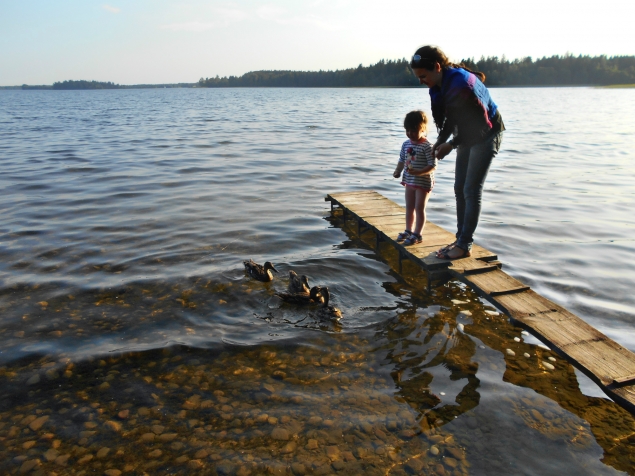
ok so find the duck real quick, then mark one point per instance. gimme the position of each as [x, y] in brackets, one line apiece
[312, 297]
[328, 311]
[260, 272]
[298, 284]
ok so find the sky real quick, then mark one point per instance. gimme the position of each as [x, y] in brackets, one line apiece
[169, 41]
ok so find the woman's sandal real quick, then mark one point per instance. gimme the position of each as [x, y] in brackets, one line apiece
[403, 235]
[446, 248]
[413, 239]
[444, 254]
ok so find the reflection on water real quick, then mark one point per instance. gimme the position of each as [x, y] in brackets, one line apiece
[132, 342]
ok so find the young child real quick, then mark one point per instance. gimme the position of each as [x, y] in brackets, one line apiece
[418, 164]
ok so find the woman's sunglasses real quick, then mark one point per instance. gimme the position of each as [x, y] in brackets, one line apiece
[419, 59]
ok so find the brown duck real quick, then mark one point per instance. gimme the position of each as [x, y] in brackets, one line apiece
[260, 272]
[328, 311]
[312, 297]
[298, 284]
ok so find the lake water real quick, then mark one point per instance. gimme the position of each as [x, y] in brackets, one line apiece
[132, 340]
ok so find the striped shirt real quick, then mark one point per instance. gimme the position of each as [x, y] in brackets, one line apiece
[418, 156]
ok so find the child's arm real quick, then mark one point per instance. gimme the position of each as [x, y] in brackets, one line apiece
[428, 158]
[427, 170]
[398, 170]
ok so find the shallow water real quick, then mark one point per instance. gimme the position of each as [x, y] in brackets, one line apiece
[125, 308]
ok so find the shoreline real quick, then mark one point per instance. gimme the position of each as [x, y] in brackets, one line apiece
[160, 86]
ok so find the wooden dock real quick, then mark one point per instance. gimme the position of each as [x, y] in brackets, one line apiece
[606, 362]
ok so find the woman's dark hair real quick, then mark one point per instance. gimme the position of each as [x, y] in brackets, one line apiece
[414, 120]
[428, 56]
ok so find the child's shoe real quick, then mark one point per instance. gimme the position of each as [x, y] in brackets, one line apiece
[403, 235]
[413, 239]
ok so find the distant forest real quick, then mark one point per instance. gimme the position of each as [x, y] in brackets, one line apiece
[85, 85]
[82, 84]
[565, 70]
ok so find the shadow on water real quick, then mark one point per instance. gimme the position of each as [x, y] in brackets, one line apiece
[444, 385]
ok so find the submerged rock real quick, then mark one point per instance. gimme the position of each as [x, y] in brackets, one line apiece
[280, 434]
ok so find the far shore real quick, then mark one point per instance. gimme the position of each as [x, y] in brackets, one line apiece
[618, 86]
[196, 86]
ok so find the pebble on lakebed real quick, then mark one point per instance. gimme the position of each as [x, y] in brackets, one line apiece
[174, 411]
[547, 365]
[510, 352]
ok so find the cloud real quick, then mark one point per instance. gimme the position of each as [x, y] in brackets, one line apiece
[272, 13]
[280, 16]
[220, 17]
[111, 9]
[190, 26]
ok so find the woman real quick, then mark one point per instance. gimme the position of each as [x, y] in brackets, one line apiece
[461, 106]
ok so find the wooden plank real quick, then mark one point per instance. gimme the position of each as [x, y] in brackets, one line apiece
[472, 266]
[477, 252]
[556, 332]
[338, 195]
[367, 201]
[524, 304]
[361, 199]
[496, 283]
[629, 379]
[388, 221]
[378, 213]
[624, 396]
[514, 290]
[583, 345]
[429, 229]
[436, 241]
[605, 358]
[368, 211]
[369, 206]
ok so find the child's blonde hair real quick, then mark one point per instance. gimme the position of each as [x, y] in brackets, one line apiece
[416, 119]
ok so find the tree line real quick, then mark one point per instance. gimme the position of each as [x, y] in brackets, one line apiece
[83, 84]
[384, 73]
[557, 70]
[565, 70]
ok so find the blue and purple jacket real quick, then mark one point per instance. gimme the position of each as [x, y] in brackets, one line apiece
[463, 106]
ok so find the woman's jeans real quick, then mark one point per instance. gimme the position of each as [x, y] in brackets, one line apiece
[472, 165]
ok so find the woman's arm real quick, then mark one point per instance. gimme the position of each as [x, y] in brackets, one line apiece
[398, 170]
[440, 150]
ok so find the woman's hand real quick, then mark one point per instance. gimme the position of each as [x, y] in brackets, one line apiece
[441, 150]
[396, 173]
